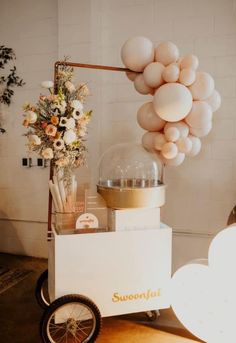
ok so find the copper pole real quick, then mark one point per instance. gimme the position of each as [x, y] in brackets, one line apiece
[75, 65]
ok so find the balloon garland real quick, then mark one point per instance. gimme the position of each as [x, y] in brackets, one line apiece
[183, 98]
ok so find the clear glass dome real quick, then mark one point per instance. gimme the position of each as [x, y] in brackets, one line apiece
[129, 165]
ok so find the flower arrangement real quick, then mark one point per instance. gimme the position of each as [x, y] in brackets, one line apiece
[57, 123]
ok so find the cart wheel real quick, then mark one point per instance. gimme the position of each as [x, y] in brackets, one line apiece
[71, 318]
[41, 290]
[152, 315]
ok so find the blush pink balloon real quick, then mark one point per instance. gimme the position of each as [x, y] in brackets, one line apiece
[153, 74]
[214, 101]
[187, 76]
[203, 86]
[166, 53]
[159, 140]
[131, 75]
[176, 161]
[172, 134]
[169, 150]
[148, 119]
[171, 73]
[172, 101]
[200, 115]
[184, 144]
[148, 141]
[196, 146]
[180, 125]
[201, 132]
[189, 61]
[140, 85]
[137, 52]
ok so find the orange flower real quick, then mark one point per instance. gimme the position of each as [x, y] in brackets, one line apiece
[25, 123]
[54, 120]
[51, 130]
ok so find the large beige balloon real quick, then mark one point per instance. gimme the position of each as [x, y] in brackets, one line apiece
[176, 161]
[187, 76]
[137, 52]
[166, 53]
[148, 119]
[203, 86]
[184, 144]
[169, 150]
[171, 73]
[148, 140]
[153, 74]
[196, 146]
[200, 115]
[189, 61]
[201, 132]
[159, 140]
[181, 126]
[214, 101]
[172, 101]
[140, 85]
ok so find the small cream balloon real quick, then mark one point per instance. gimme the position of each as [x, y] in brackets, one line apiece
[140, 85]
[169, 150]
[184, 145]
[200, 115]
[148, 141]
[201, 132]
[196, 146]
[180, 125]
[148, 119]
[187, 76]
[172, 101]
[131, 75]
[171, 73]
[159, 140]
[203, 86]
[214, 101]
[153, 74]
[166, 53]
[189, 61]
[137, 53]
[172, 134]
[176, 161]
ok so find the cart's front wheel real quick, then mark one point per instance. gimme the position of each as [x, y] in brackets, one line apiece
[41, 290]
[71, 318]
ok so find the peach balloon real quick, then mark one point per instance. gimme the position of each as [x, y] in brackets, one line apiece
[140, 85]
[148, 119]
[153, 74]
[169, 150]
[148, 140]
[172, 101]
[172, 134]
[196, 146]
[176, 161]
[166, 53]
[187, 76]
[214, 101]
[137, 52]
[181, 126]
[189, 61]
[159, 140]
[184, 144]
[200, 114]
[171, 73]
[201, 132]
[203, 86]
[131, 75]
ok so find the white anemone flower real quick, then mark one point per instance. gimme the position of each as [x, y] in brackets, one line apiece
[31, 117]
[77, 105]
[63, 121]
[69, 136]
[47, 154]
[70, 124]
[58, 144]
[77, 114]
[34, 140]
[47, 84]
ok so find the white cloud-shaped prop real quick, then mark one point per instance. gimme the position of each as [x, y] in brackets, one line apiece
[203, 297]
[181, 94]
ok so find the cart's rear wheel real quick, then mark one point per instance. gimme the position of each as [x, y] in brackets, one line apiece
[152, 315]
[71, 318]
[41, 290]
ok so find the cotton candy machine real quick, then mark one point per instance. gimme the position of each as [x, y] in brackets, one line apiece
[131, 177]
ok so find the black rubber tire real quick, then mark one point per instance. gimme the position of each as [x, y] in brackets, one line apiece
[39, 288]
[151, 315]
[66, 299]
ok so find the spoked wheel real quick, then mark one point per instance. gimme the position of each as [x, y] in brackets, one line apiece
[41, 290]
[71, 319]
[152, 315]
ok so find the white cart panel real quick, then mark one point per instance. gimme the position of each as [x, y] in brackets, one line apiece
[121, 272]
